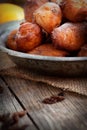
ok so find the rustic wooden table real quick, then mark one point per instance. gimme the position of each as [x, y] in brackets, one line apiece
[19, 94]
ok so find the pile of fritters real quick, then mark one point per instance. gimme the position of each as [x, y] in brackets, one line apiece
[55, 28]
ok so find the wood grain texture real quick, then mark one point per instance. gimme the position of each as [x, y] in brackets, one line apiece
[8, 104]
[70, 114]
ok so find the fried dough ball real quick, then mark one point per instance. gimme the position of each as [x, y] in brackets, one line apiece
[47, 49]
[30, 6]
[28, 36]
[48, 16]
[11, 43]
[70, 36]
[57, 2]
[83, 51]
[75, 10]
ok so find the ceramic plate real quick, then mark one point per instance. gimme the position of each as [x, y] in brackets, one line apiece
[62, 66]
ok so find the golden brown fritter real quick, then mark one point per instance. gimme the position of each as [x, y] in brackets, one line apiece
[30, 6]
[28, 36]
[70, 36]
[75, 10]
[47, 49]
[48, 16]
[11, 43]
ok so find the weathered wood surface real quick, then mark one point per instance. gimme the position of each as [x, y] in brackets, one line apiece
[9, 104]
[70, 114]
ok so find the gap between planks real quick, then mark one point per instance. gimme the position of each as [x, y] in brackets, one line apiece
[69, 114]
[10, 104]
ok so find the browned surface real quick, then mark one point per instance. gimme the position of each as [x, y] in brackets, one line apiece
[11, 43]
[48, 50]
[48, 16]
[70, 36]
[30, 6]
[28, 36]
[75, 10]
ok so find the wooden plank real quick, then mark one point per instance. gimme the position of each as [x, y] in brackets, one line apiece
[8, 104]
[66, 115]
